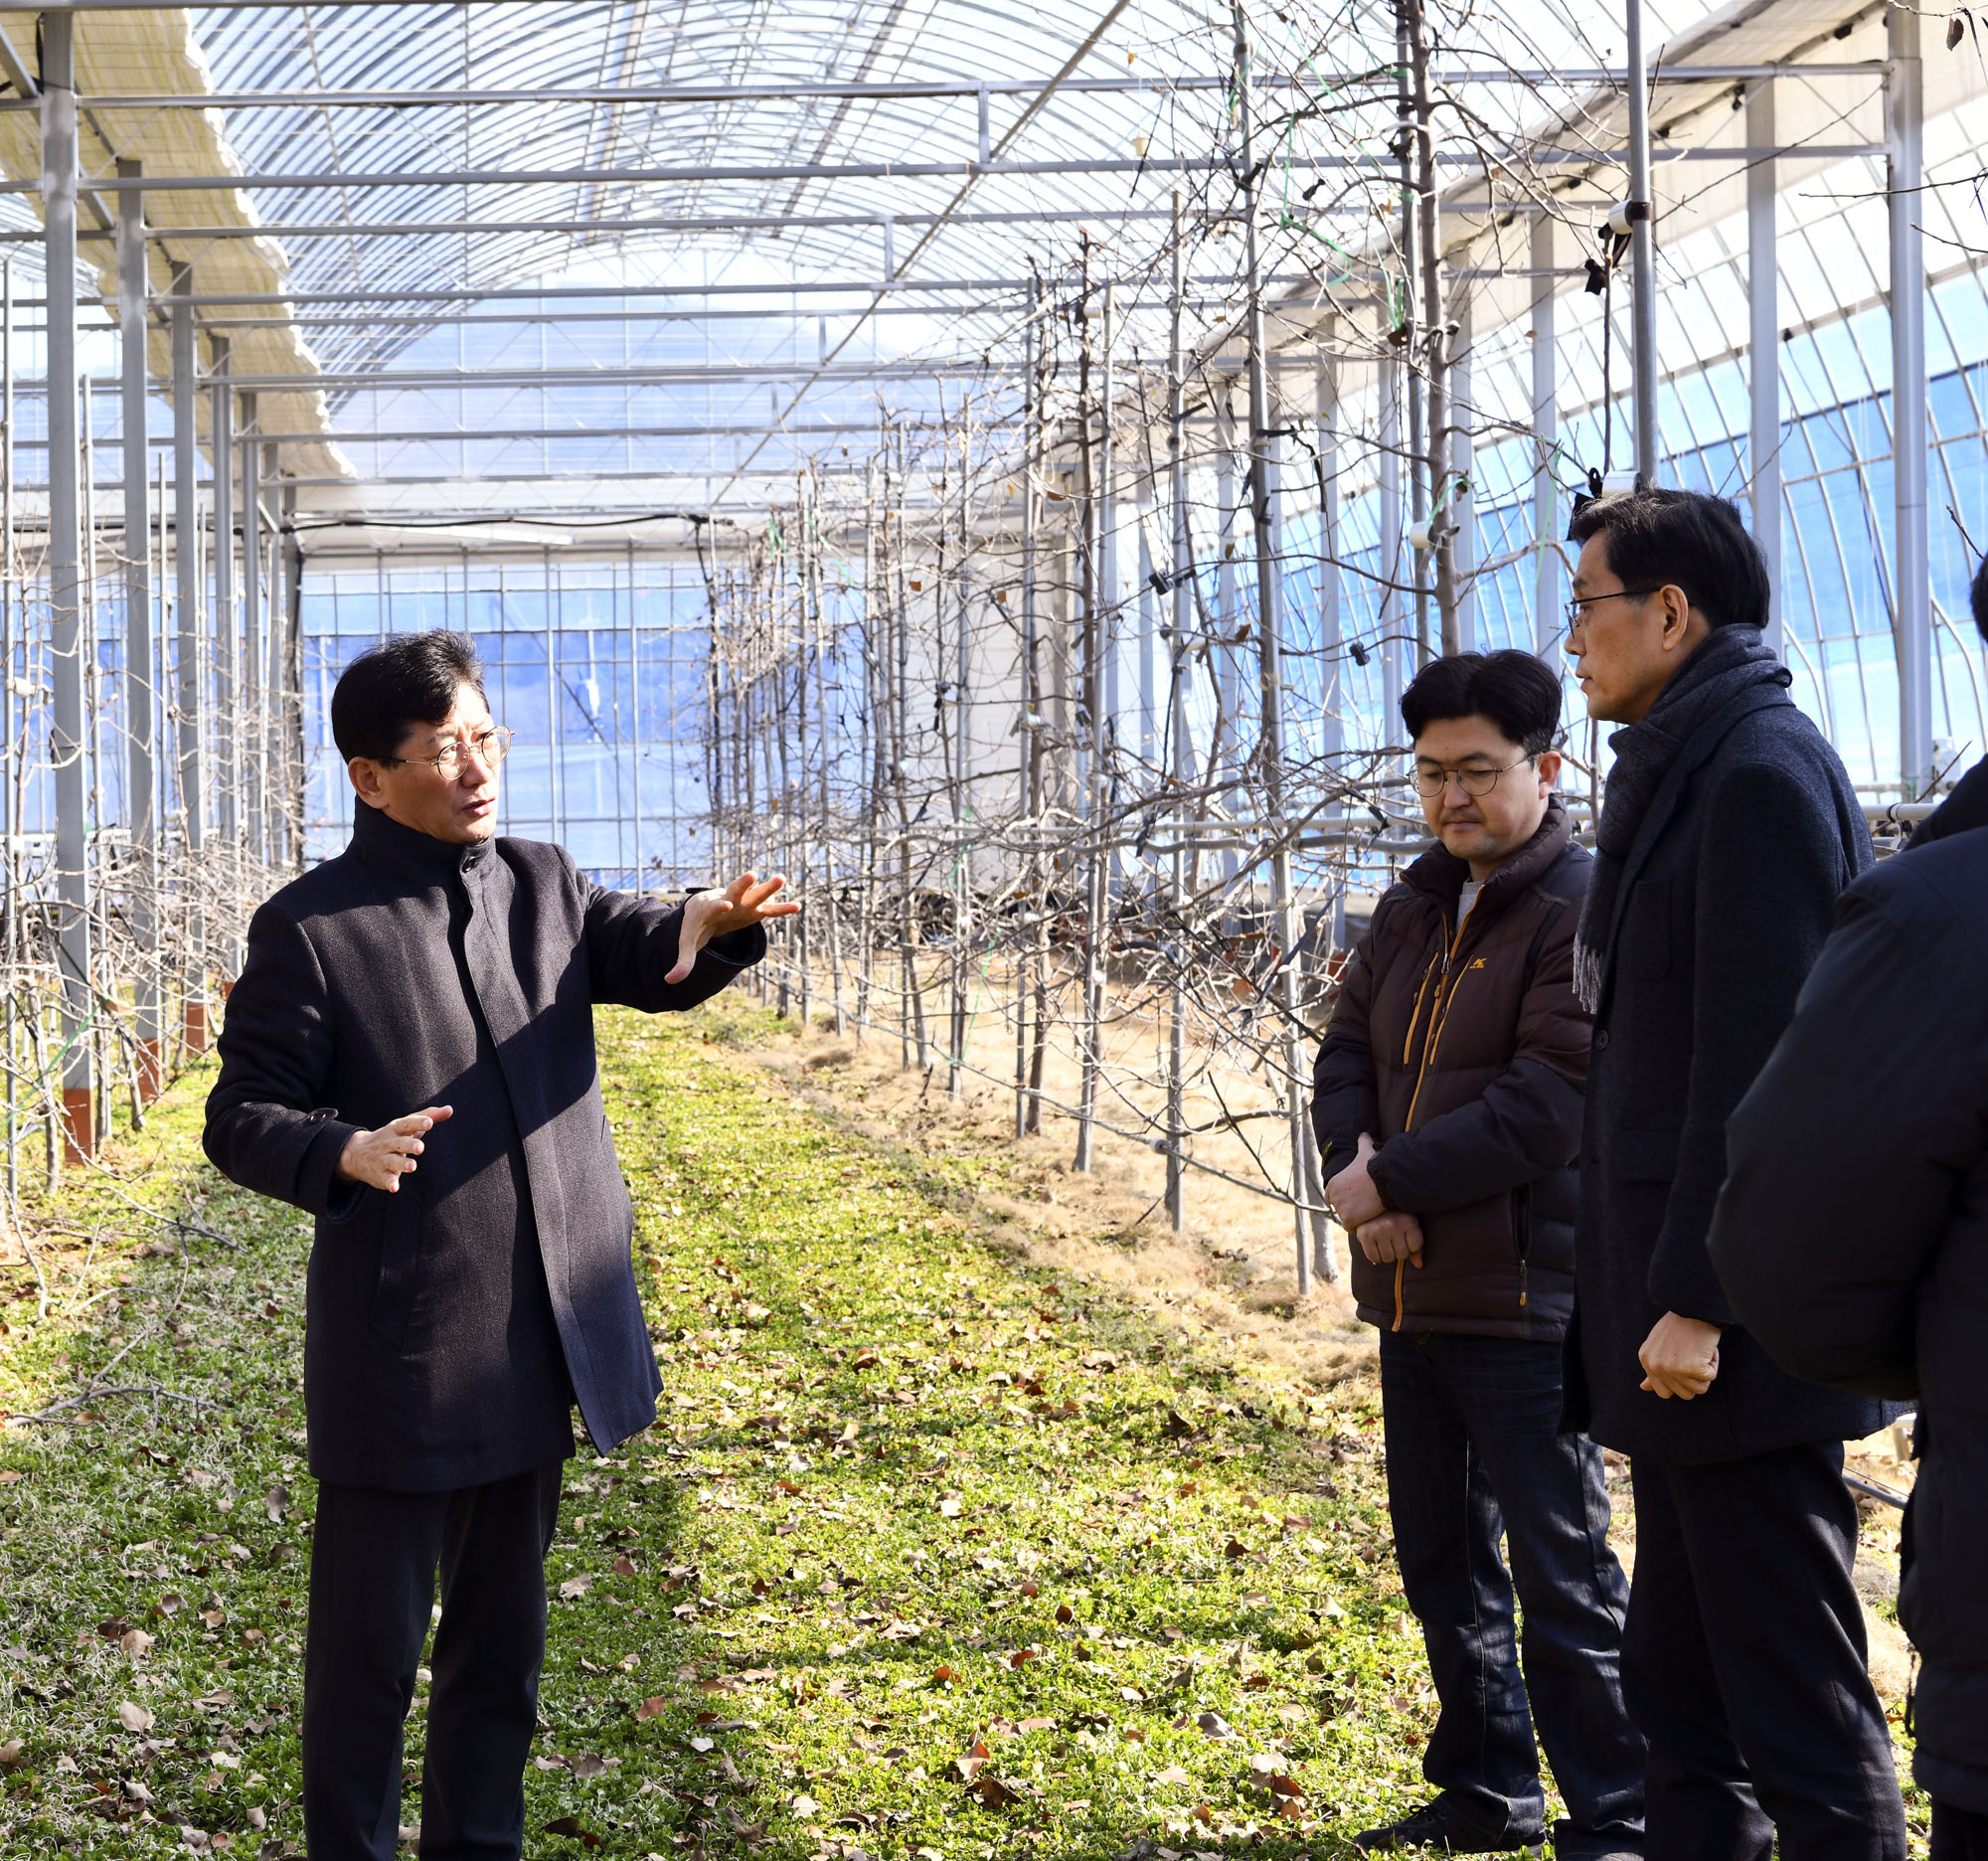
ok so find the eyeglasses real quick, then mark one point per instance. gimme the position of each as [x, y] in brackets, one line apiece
[492, 747]
[1577, 609]
[1473, 782]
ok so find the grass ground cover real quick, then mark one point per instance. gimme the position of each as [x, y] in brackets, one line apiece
[930, 1554]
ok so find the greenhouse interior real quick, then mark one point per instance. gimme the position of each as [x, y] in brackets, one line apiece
[996, 470]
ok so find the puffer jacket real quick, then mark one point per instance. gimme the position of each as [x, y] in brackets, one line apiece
[1461, 1049]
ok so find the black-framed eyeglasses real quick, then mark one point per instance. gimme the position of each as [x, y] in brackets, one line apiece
[492, 747]
[1577, 609]
[1473, 782]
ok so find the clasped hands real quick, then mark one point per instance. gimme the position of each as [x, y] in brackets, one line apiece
[1384, 1235]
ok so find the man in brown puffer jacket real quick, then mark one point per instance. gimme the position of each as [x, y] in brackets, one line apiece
[1447, 1105]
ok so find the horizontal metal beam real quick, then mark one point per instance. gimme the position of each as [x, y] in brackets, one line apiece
[746, 221]
[588, 292]
[657, 177]
[1155, 166]
[1379, 75]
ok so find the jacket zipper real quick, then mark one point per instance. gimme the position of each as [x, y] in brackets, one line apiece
[1522, 1235]
[1442, 1008]
[1428, 1053]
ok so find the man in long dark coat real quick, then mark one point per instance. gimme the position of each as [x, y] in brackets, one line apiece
[1729, 832]
[409, 1057]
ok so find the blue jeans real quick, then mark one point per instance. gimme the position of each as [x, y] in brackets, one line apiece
[1474, 1452]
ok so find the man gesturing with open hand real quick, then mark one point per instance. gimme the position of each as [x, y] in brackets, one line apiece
[471, 1280]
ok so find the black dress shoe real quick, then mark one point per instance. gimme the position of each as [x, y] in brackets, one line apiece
[1441, 1827]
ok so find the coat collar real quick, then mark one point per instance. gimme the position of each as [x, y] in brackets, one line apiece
[407, 853]
[1439, 874]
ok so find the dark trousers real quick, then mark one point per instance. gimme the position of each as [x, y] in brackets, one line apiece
[374, 1560]
[1958, 1834]
[1474, 1450]
[1744, 1665]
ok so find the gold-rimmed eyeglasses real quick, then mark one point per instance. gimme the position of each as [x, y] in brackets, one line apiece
[1473, 782]
[492, 748]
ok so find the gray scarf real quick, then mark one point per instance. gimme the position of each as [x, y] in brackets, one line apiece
[1729, 666]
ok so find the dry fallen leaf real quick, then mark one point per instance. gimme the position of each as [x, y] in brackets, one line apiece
[575, 1587]
[570, 1827]
[653, 1707]
[625, 1566]
[133, 1717]
[135, 1642]
[969, 1765]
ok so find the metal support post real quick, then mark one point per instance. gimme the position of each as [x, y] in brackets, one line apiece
[255, 722]
[1103, 645]
[187, 583]
[1393, 645]
[1462, 460]
[142, 801]
[1180, 580]
[1642, 253]
[1331, 624]
[58, 171]
[1285, 928]
[1545, 441]
[1764, 286]
[293, 791]
[1913, 594]
[227, 657]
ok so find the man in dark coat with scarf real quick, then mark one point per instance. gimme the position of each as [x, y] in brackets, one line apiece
[1729, 831]
[409, 1057]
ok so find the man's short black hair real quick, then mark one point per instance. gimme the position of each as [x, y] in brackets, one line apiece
[1682, 539]
[1513, 689]
[391, 688]
[1977, 598]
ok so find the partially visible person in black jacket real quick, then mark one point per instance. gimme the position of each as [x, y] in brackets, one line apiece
[1729, 831]
[1448, 1109]
[1852, 1239]
[409, 1057]
[1966, 807]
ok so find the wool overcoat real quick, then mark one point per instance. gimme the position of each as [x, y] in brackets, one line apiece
[453, 1323]
[1460, 1049]
[1852, 1238]
[1726, 898]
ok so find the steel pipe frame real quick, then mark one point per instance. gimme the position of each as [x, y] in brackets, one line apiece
[1763, 293]
[59, 235]
[1546, 436]
[562, 293]
[141, 798]
[1676, 75]
[1155, 165]
[187, 579]
[1642, 253]
[744, 221]
[1911, 580]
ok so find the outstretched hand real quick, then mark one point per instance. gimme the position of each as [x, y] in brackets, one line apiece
[380, 1158]
[745, 902]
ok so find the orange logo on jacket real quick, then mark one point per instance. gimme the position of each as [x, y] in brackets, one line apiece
[1478, 965]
